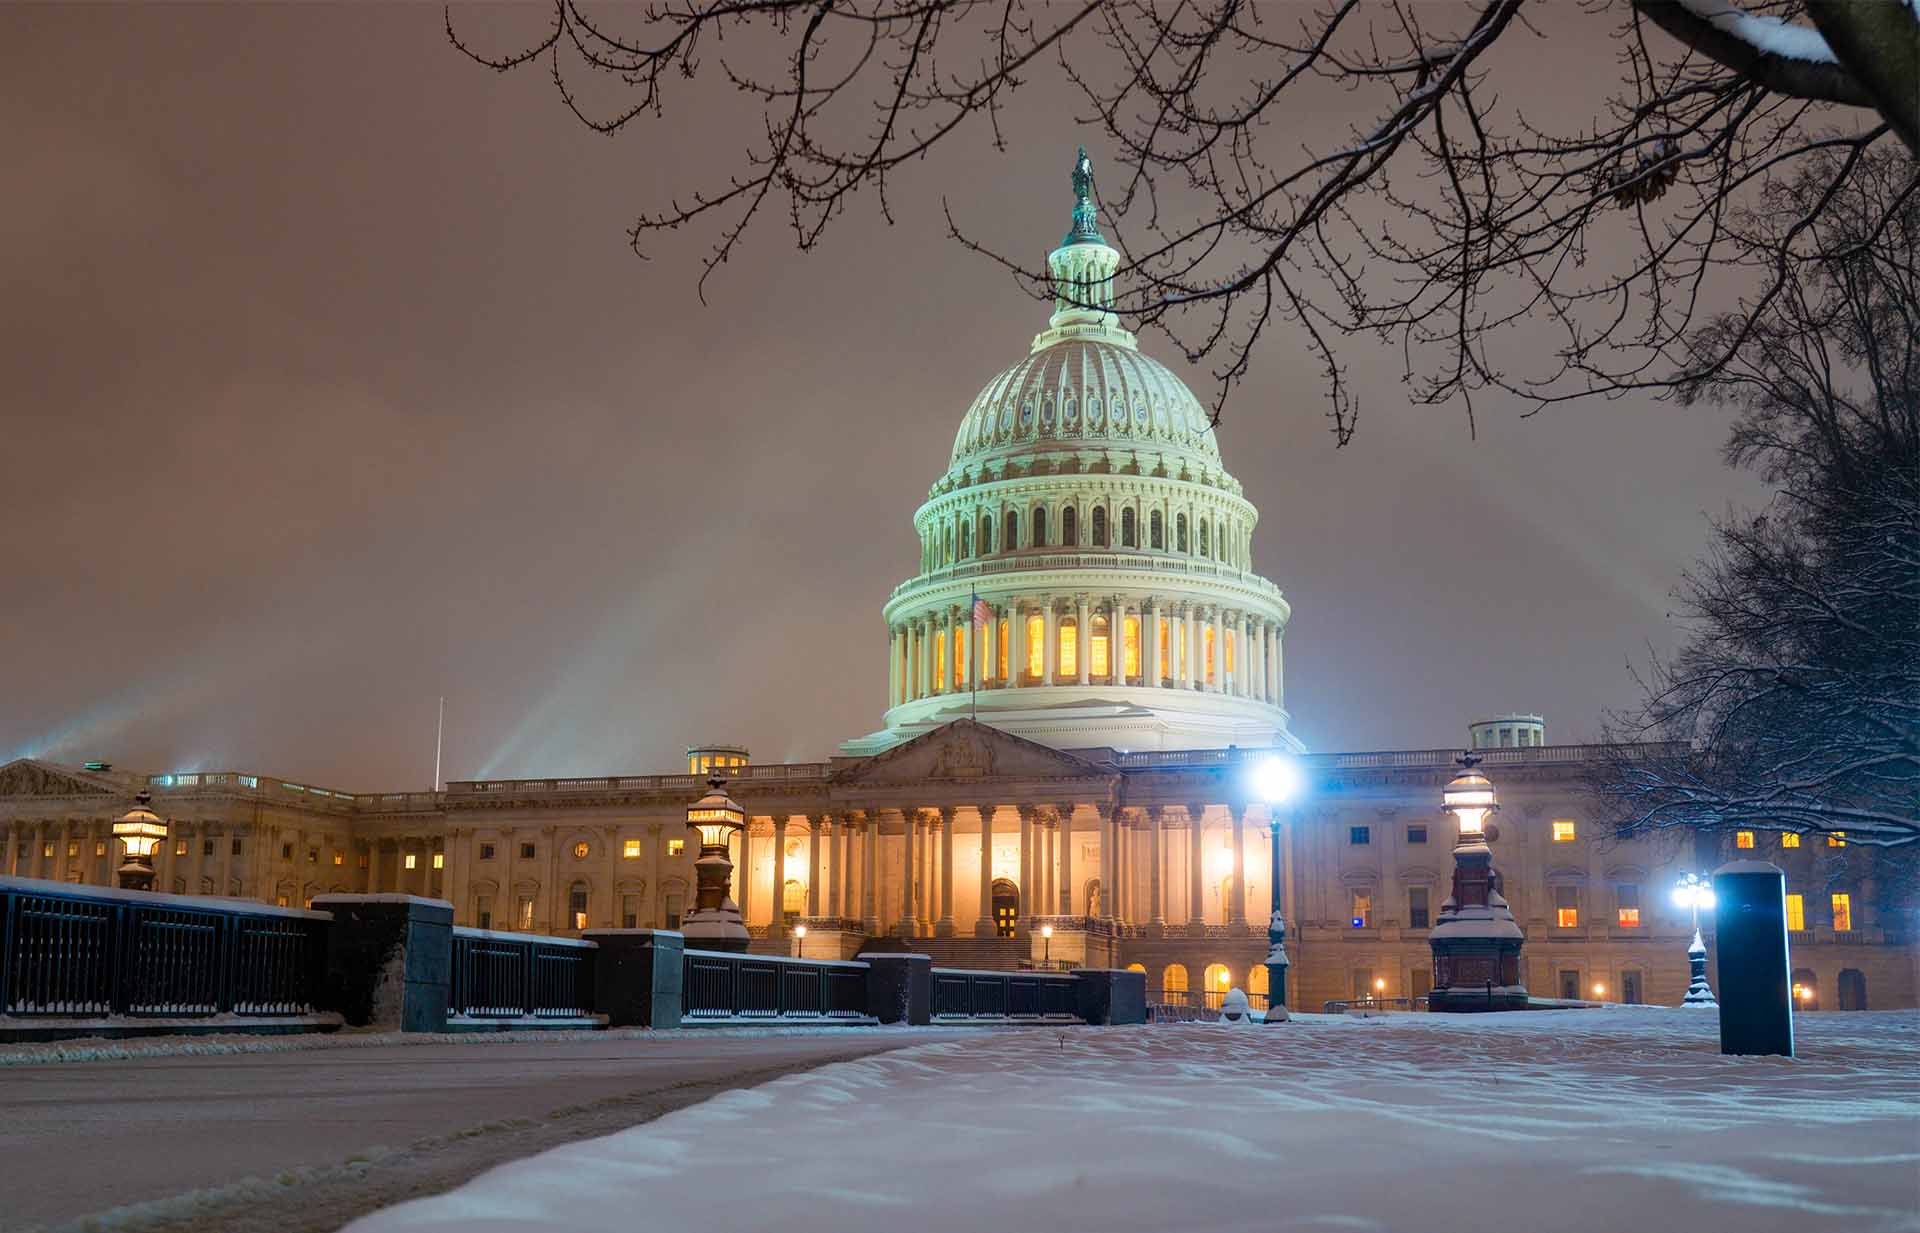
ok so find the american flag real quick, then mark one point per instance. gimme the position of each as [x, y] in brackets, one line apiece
[982, 615]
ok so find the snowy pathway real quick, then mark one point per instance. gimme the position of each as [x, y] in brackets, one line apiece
[1597, 1120]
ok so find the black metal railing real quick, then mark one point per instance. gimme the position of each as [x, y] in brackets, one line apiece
[726, 985]
[962, 994]
[520, 976]
[1341, 1006]
[79, 953]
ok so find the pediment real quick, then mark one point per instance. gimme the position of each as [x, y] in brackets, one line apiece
[965, 751]
[26, 777]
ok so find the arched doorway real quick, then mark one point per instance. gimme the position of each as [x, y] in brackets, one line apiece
[1216, 980]
[1173, 978]
[1257, 984]
[1853, 989]
[1806, 989]
[1006, 907]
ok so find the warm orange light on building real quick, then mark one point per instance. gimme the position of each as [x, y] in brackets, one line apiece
[1796, 912]
[1069, 648]
[1098, 659]
[1629, 918]
[1130, 662]
[1842, 912]
[1036, 645]
[1567, 918]
[1789, 840]
[1743, 839]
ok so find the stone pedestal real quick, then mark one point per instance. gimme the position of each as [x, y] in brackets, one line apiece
[1475, 940]
[389, 960]
[1750, 933]
[899, 987]
[637, 976]
[1111, 996]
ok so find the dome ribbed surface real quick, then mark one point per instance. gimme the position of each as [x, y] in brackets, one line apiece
[1085, 393]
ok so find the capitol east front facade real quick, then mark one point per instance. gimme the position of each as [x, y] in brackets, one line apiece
[1083, 672]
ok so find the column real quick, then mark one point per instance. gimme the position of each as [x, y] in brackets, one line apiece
[1107, 863]
[1122, 867]
[1257, 659]
[1276, 668]
[869, 897]
[1066, 861]
[226, 862]
[1016, 643]
[1159, 858]
[1220, 685]
[923, 824]
[742, 876]
[906, 917]
[1026, 865]
[815, 856]
[983, 926]
[944, 926]
[1050, 653]
[777, 920]
[834, 899]
[1187, 653]
[1150, 644]
[9, 855]
[912, 688]
[893, 665]
[1083, 639]
[1048, 896]
[1196, 872]
[1237, 903]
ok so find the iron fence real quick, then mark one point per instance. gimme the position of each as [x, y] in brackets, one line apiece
[520, 976]
[86, 953]
[962, 994]
[727, 985]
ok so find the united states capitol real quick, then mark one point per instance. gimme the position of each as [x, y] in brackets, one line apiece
[1084, 673]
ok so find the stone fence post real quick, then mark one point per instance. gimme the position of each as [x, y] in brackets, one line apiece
[637, 976]
[389, 960]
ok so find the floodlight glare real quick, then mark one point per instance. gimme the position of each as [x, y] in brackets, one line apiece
[1276, 779]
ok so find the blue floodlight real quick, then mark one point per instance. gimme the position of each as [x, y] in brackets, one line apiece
[1276, 779]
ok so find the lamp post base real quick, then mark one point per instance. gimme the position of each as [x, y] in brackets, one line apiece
[715, 928]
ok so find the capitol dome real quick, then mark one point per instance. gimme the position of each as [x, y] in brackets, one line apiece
[1086, 575]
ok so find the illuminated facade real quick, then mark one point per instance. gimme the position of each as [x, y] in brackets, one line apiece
[1129, 672]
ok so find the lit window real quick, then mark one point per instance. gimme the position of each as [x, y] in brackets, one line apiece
[1629, 918]
[439, 860]
[1004, 634]
[280, 900]
[580, 850]
[1229, 651]
[1069, 647]
[1743, 839]
[179, 847]
[1837, 840]
[1563, 831]
[1098, 660]
[1789, 840]
[1627, 905]
[1566, 907]
[1206, 650]
[1166, 650]
[960, 657]
[1842, 912]
[313, 856]
[1130, 661]
[525, 912]
[1036, 645]
[73, 847]
[361, 860]
[413, 860]
[676, 846]
[939, 655]
[577, 905]
[1796, 912]
[46, 850]
[339, 857]
[100, 847]
[1362, 909]
[630, 849]
[250, 781]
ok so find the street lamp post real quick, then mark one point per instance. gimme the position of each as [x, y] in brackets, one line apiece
[1694, 892]
[1276, 779]
[141, 830]
[799, 941]
[1046, 940]
[715, 920]
[1475, 940]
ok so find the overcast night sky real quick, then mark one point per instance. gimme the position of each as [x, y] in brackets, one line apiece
[331, 386]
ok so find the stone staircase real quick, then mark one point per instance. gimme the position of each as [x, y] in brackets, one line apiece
[980, 954]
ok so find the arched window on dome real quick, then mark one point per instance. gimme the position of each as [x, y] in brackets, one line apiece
[1039, 525]
[1069, 659]
[939, 657]
[1128, 532]
[1100, 526]
[1036, 646]
[966, 540]
[1180, 533]
[1130, 658]
[1001, 657]
[1206, 649]
[1011, 539]
[1070, 527]
[960, 656]
[947, 558]
[1156, 531]
[1098, 661]
[1205, 550]
[986, 534]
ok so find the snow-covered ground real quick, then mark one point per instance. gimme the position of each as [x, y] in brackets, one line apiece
[1603, 1120]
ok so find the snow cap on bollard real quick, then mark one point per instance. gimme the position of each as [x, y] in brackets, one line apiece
[1234, 1008]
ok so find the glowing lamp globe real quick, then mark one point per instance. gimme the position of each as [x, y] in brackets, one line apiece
[716, 816]
[1276, 779]
[1469, 797]
[1693, 891]
[140, 829]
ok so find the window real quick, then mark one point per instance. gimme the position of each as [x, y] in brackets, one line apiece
[1417, 833]
[1842, 912]
[1566, 907]
[523, 914]
[1362, 909]
[986, 534]
[1627, 906]
[1180, 532]
[180, 848]
[1206, 651]
[280, 901]
[1039, 524]
[439, 860]
[1204, 550]
[313, 856]
[1156, 530]
[206, 847]
[1418, 915]
[339, 857]
[1036, 645]
[1229, 652]
[947, 557]
[1003, 634]
[1796, 912]
[411, 860]
[580, 850]
[486, 853]
[1099, 661]
[483, 911]
[1789, 840]
[630, 849]
[1069, 647]
[526, 851]
[46, 849]
[966, 540]
[1173, 978]
[673, 911]
[1166, 651]
[99, 847]
[939, 657]
[960, 656]
[1069, 527]
[286, 851]
[1130, 660]
[629, 911]
[1359, 836]
[1100, 526]
[1563, 831]
[1743, 839]
[1129, 529]
[676, 846]
[73, 847]
[577, 905]
[1012, 538]
[1837, 840]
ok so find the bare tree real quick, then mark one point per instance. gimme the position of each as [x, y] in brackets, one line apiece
[1444, 223]
[1794, 704]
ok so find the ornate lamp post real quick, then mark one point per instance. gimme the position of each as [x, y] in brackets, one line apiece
[799, 941]
[1695, 892]
[715, 920]
[1276, 779]
[141, 830]
[1046, 953]
[1476, 942]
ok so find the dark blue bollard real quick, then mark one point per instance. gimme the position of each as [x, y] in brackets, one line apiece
[1750, 925]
